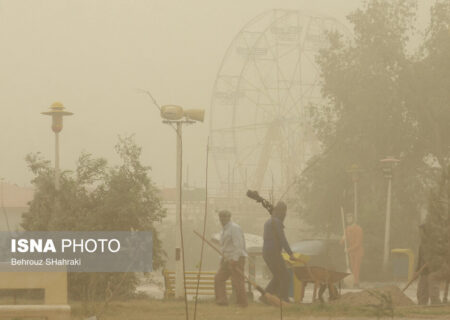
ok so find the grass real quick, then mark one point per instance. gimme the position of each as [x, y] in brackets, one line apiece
[174, 310]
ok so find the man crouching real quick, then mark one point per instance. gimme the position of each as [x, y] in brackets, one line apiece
[232, 243]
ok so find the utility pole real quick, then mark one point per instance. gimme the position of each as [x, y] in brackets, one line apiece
[176, 116]
[179, 290]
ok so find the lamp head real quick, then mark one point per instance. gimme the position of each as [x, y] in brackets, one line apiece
[172, 112]
[57, 112]
[175, 113]
[195, 114]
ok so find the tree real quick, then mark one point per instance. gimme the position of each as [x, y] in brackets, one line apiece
[433, 83]
[97, 197]
[366, 118]
[428, 83]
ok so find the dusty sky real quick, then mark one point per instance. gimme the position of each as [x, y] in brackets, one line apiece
[94, 55]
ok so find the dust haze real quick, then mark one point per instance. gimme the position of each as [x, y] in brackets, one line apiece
[93, 56]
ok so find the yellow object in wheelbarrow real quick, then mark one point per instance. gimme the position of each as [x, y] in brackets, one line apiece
[300, 260]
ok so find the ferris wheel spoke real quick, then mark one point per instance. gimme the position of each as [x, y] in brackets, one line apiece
[243, 127]
[312, 63]
[256, 103]
[289, 88]
[261, 78]
[295, 106]
[295, 128]
[243, 159]
[264, 157]
[275, 57]
[284, 171]
[280, 73]
[287, 52]
[271, 136]
[307, 94]
[297, 67]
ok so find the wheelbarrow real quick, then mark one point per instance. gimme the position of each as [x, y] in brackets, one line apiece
[322, 279]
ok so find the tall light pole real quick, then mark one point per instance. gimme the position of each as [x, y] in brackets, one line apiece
[354, 170]
[176, 116]
[57, 113]
[388, 164]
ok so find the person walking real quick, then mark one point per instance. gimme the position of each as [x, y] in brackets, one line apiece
[274, 242]
[232, 243]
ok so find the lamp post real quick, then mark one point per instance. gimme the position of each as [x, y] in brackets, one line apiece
[354, 171]
[57, 112]
[175, 115]
[388, 164]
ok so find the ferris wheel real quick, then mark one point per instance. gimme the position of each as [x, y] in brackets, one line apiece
[260, 119]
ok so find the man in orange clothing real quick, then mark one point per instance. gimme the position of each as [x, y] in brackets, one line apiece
[355, 250]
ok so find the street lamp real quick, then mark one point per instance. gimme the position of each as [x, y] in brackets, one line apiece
[175, 115]
[388, 164]
[57, 112]
[354, 170]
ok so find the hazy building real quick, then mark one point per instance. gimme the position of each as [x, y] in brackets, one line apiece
[14, 202]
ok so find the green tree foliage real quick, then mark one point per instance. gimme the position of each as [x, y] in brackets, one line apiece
[97, 197]
[376, 106]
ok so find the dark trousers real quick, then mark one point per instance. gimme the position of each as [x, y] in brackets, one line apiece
[236, 273]
[434, 282]
[423, 290]
[428, 288]
[279, 285]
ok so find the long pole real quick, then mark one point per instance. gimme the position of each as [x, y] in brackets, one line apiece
[387, 232]
[179, 289]
[415, 276]
[57, 174]
[345, 241]
[204, 231]
[355, 200]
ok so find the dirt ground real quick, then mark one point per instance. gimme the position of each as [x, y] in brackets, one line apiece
[375, 296]
[146, 309]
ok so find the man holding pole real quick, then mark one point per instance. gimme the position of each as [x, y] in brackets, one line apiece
[232, 243]
[274, 242]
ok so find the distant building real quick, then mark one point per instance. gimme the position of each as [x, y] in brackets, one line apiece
[13, 202]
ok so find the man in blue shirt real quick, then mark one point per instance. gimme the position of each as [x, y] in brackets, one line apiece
[274, 242]
[232, 243]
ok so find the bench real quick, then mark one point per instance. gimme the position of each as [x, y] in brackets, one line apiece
[55, 305]
[206, 286]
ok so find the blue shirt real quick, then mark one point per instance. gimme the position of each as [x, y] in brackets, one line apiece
[233, 242]
[274, 237]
